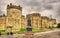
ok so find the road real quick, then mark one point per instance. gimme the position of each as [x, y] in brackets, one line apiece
[52, 34]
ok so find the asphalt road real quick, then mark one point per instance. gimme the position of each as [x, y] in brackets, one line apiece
[55, 34]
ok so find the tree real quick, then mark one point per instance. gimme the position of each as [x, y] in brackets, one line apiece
[49, 26]
[52, 26]
[58, 25]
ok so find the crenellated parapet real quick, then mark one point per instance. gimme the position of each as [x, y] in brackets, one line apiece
[23, 16]
[35, 14]
[53, 20]
[14, 6]
[28, 16]
[44, 17]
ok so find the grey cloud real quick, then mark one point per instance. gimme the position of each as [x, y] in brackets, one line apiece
[34, 5]
[1, 13]
[48, 7]
[41, 5]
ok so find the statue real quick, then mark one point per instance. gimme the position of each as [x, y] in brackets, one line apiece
[29, 28]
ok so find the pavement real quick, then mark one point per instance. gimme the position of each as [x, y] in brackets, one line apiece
[50, 34]
[47, 32]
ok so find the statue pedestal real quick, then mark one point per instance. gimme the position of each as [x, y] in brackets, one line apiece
[28, 35]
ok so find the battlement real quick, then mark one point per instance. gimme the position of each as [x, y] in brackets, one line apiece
[23, 16]
[14, 6]
[28, 15]
[44, 17]
[53, 19]
[35, 14]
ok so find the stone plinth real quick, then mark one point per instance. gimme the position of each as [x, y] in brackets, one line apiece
[28, 35]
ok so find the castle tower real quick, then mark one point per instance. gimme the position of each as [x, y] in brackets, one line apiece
[14, 14]
[35, 20]
[45, 22]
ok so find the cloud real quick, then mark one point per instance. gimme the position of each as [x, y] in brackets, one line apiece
[45, 7]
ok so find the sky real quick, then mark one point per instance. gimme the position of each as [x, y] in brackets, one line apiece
[44, 7]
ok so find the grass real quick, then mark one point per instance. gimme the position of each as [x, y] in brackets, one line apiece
[23, 30]
[2, 32]
[36, 30]
[33, 30]
[16, 32]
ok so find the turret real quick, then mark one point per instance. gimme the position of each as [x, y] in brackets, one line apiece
[14, 6]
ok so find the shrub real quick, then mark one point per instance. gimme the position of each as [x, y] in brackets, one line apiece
[49, 26]
[53, 27]
[58, 25]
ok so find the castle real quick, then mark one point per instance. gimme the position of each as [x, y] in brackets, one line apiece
[17, 21]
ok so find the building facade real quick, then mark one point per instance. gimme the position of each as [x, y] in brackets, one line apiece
[23, 22]
[52, 22]
[44, 22]
[35, 20]
[16, 21]
[2, 22]
[13, 19]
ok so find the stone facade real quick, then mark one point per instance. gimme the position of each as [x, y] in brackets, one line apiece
[23, 22]
[35, 20]
[17, 21]
[40, 22]
[2, 22]
[45, 22]
[52, 22]
[14, 14]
